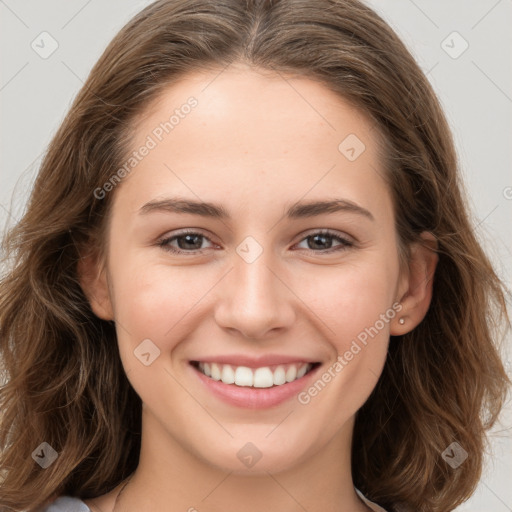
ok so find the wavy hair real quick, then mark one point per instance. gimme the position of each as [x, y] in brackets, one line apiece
[64, 381]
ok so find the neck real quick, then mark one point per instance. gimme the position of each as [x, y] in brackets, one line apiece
[170, 478]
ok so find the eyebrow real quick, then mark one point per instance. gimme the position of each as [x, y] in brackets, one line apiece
[296, 211]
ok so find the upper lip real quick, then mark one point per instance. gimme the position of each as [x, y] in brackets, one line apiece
[254, 362]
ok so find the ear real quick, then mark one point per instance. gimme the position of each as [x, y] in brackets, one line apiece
[415, 289]
[93, 279]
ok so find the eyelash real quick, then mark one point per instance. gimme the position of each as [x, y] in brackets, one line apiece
[344, 242]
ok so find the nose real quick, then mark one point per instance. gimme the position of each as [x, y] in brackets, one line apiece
[254, 299]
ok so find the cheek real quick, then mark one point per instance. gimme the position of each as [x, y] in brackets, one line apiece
[350, 299]
[359, 348]
[355, 308]
[155, 302]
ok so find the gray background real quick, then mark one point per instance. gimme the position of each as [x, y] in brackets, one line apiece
[475, 89]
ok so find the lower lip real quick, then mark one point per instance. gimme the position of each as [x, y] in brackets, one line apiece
[255, 398]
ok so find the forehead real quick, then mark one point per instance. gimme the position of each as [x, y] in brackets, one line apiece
[240, 130]
[251, 106]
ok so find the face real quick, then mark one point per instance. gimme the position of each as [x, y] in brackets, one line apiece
[254, 281]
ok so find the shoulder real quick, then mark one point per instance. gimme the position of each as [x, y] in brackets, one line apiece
[67, 504]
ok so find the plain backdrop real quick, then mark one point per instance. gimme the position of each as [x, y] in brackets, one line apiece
[464, 47]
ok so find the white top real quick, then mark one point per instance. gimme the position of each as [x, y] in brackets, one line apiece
[69, 504]
[369, 503]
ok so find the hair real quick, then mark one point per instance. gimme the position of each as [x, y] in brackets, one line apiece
[65, 384]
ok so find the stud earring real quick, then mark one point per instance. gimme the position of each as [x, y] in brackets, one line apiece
[401, 321]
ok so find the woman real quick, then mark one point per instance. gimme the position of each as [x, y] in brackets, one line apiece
[247, 266]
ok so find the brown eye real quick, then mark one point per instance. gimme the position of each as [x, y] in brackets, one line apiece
[188, 242]
[322, 241]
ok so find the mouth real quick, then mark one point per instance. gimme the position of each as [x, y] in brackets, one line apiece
[261, 377]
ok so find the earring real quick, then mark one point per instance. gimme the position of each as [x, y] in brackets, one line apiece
[401, 321]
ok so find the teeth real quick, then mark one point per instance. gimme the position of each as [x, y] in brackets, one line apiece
[279, 376]
[291, 373]
[262, 377]
[215, 371]
[302, 371]
[227, 375]
[243, 376]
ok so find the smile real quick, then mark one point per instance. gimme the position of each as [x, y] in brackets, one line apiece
[262, 377]
[254, 382]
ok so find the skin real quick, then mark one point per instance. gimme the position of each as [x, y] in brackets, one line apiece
[256, 143]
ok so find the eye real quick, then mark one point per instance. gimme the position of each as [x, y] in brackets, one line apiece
[186, 240]
[323, 240]
[191, 242]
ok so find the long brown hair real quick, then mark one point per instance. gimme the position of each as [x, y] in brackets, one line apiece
[65, 384]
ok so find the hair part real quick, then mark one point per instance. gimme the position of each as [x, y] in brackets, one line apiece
[66, 386]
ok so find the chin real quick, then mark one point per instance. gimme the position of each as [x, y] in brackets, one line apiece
[260, 455]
